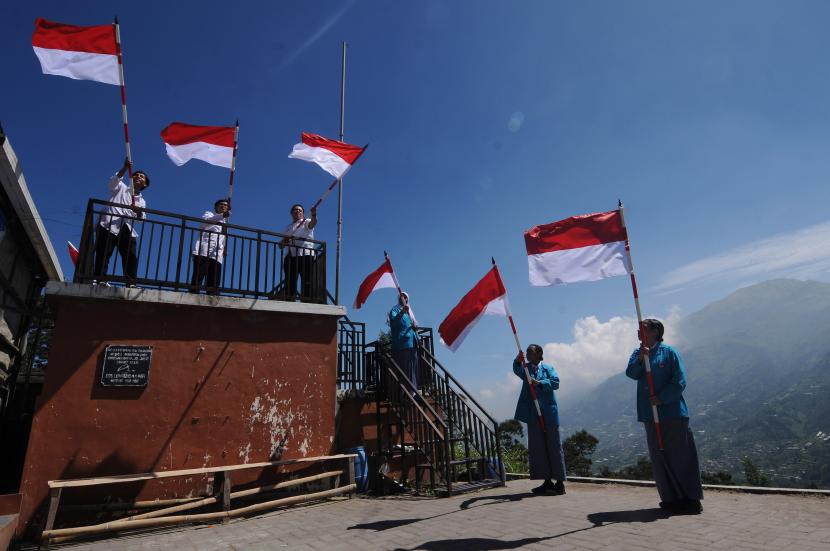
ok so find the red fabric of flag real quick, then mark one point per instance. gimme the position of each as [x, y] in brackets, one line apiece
[487, 297]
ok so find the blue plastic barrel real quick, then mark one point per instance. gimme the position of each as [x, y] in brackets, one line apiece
[361, 468]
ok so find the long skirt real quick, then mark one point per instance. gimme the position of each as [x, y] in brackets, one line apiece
[679, 457]
[539, 467]
[407, 360]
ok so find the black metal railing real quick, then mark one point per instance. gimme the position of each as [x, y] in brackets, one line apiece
[351, 355]
[411, 414]
[176, 252]
[466, 420]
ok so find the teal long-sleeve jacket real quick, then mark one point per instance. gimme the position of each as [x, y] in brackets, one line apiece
[401, 329]
[669, 383]
[548, 382]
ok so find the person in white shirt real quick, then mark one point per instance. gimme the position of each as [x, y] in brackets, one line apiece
[209, 251]
[115, 227]
[299, 255]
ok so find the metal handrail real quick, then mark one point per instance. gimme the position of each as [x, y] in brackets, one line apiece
[167, 251]
[196, 219]
[450, 376]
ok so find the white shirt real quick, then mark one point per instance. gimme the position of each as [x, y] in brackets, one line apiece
[211, 243]
[300, 231]
[113, 217]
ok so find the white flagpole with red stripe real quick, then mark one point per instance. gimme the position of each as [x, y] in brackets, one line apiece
[533, 394]
[646, 362]
[233, 166]
[118, 54]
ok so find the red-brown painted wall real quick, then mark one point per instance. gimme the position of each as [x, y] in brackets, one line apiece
[226, 386]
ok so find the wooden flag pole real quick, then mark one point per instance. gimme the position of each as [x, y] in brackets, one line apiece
[123, 87]
[527, 375]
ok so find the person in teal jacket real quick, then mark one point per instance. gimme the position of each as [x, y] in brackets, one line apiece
[676, 469]
[545, 381]
[404, 339]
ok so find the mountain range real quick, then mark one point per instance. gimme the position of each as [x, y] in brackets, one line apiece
[758, 379]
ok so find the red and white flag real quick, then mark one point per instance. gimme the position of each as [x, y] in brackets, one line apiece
[334, 157]
[211, 144]
[487, 297]
[73, 252]
[382, 278]
[581, 248]
[82, 53]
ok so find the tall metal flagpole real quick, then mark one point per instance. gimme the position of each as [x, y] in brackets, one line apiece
[340, 181]
[124, 103]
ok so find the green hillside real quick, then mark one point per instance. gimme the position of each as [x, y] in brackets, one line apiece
[758, 370]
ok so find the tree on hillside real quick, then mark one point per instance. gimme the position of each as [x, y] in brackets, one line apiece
[640, 471]
[514, 452]
[754, 476]
[721, 477]
[511, 433]
[578, 449]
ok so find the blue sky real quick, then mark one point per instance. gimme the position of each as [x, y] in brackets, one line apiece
[710, 120]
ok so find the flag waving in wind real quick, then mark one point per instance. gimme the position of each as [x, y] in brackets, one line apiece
[382, 278]
[581, 248]
[82, 53]
[487, 297]
[334, 157]
[211, 144]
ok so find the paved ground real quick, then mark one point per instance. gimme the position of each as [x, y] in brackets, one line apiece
[589, 517]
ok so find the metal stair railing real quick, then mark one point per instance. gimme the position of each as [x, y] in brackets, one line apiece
[351, 364]
[413, 415]
[462, 412]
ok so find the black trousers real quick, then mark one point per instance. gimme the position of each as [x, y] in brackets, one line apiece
[105, 244]
[302, 266]
[207, 270]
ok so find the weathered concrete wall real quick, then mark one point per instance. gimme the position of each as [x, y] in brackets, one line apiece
[229, 383]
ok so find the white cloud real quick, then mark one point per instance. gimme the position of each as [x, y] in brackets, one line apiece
[803, 254]
[598, 350]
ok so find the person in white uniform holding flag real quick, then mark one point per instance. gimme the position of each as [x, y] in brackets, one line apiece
[115, 227]
[209, 251]
[299, 256]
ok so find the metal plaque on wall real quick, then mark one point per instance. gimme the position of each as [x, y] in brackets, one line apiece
[126, 365]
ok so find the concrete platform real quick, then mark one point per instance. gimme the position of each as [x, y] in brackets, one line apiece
[590, 516]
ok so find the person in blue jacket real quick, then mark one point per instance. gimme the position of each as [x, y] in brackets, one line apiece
[544, 380]
[404, 339]
[676, 469]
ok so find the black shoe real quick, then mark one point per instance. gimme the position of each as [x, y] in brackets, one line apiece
[667, 505]
[545, 488]
[557, 489]
[690, 507]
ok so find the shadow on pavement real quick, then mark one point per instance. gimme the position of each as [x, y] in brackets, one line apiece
[382, 525]
[494, 499]
[637, 515]
[486, 544]
[479, 544]
[389, 524]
